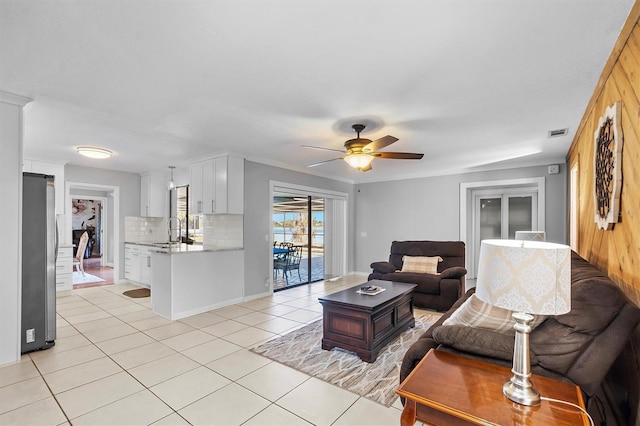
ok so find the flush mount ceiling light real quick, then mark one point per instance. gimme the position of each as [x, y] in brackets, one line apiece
[94, 152]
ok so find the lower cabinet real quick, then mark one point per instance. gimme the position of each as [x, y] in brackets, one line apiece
[137, 264]
[145, 267]
[64, 268]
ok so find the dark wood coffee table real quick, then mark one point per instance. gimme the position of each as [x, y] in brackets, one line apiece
[363, 323]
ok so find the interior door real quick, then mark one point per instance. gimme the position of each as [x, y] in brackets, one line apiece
[498, 214]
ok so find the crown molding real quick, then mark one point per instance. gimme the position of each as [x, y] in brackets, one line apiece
[12, 98]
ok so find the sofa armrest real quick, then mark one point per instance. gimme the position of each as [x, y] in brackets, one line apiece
[453, 272]
[384, 267]
[477, 341]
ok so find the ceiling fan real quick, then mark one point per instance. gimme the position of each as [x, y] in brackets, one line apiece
[360, 152]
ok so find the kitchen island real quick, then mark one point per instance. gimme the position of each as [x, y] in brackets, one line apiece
[192, 279]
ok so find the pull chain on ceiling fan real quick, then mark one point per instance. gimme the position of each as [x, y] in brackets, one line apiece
[361, 151]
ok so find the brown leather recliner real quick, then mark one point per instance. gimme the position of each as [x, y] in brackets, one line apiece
[438, 292]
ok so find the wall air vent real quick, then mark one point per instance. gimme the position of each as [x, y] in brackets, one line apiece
[558, 133]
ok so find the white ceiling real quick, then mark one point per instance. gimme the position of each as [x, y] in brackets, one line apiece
[469, 83]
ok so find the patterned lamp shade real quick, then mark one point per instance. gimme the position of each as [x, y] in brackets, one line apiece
[533, 277]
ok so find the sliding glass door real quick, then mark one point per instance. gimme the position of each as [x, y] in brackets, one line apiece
[298, 239]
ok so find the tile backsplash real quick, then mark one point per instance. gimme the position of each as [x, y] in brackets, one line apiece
[223, 231]
[145, 229]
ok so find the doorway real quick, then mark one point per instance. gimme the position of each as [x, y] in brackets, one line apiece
[86, 216]
[93, 209]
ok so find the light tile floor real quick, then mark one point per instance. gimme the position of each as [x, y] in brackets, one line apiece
[116, 362]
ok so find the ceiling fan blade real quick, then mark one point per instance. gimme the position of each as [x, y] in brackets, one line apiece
[398, 155]
[319, 148]
[325, 161]
[379, 143]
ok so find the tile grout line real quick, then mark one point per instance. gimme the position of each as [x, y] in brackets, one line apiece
[258, 308]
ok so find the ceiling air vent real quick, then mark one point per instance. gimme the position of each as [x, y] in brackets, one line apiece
[558, 133]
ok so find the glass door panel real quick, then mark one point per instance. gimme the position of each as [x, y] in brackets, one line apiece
[520, 216]
[317, 239]
[490, 214]
[298, 223]
[499, 215]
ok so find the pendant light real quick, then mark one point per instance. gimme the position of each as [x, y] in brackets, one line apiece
[172, 184]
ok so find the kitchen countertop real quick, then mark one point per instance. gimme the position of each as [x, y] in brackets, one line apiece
[176, 248]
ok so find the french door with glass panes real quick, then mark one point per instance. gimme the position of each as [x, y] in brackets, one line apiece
[498, 214]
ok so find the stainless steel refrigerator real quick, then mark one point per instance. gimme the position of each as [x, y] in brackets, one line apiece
[39, 252]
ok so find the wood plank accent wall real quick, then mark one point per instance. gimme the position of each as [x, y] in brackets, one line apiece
[617, 251]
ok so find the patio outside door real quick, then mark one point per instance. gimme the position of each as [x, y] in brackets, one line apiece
[299, 220]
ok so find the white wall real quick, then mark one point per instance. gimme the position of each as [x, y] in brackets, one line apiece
[258, 221]
[129, 190]
[11, 219]
[429, 209]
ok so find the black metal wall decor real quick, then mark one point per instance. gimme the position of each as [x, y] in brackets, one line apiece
[608, 167]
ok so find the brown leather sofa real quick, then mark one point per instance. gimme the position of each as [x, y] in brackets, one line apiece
[579, 347]
[434, 291]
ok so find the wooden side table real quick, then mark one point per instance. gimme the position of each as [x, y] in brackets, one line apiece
[449, 389]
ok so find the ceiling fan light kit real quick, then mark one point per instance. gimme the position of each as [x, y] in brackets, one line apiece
[358, 161]
[361, 151]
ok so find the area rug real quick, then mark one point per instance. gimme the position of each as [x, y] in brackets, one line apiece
[302, 349]
[88, 278]
[138, 292]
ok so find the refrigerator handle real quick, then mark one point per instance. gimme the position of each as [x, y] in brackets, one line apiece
[56, 240]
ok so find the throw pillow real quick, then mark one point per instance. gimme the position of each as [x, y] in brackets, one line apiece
[420, 264]
[477, 314]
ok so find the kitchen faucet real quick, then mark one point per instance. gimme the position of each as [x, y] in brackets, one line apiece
[170, 229]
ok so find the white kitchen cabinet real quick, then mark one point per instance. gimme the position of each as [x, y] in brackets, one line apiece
[202, 194]
[229, 182]
[154, 195]
[217, 186]
[132, 263]
[64, 268]
[145, 266]
[53, 169]
[137, 264]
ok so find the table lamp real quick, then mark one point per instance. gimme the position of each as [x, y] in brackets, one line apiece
[526, 277]
[531, 235]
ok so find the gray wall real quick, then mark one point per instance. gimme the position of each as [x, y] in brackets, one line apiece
[129, 184]
[429, 209]
[257, 218]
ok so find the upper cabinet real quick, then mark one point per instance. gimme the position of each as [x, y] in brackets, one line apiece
[53, 169]
[217, 186]
[154, 195]
[202, 196]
